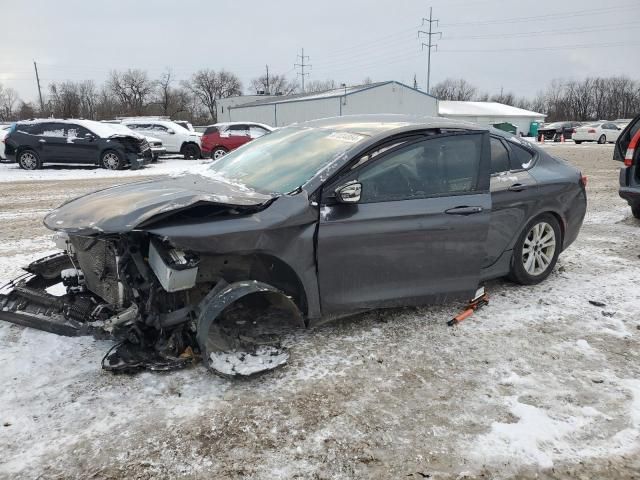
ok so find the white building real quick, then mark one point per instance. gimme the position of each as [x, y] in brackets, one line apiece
[490, 113]
[278, 111]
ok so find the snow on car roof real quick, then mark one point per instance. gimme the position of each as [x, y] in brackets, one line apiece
[166, 123]
[228, 124]
[103, 130]
[450, 107]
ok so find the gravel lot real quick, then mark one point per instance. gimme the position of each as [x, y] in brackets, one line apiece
[539, 384]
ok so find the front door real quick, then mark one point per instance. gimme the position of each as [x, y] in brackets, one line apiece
[82, 145]
[419, 231]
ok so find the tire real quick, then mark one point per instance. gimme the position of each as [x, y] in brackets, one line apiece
[635, 209]
[578, 142]
[191, 151]
[528, 270]
[111, 160]
[29, 160]
[218, 153]
[556, 137]
[602, 140]
[154, 159]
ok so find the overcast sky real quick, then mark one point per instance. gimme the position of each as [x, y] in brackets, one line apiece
[517, 45]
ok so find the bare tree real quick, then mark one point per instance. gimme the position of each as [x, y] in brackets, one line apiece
[320, 85]
[88, 99]
[133, 88]
[277, 84]
[64, 100]
[452, 89]
[504, 98]
[8, 100]
[209, 86]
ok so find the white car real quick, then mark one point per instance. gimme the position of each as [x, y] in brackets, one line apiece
[4, 130]
[597, 132]
[155, 144]
[175, 139]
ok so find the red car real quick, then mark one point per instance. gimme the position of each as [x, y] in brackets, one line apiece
[221, 138]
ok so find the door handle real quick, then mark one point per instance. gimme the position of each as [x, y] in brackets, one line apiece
[463, 210]
[42, 140]
[517, 187]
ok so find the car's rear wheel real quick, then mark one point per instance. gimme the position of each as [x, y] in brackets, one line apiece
[29, 160]
[536, 251]
[578, 142]
[602, 139]
[111, 160]
[635, 209]
[219, 152]
[191, 152]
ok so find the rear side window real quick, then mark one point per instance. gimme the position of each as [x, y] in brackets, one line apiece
[238, 130]
[520, 157]
[435, 167]
[499, 157]
[53, 129]
[211, 130]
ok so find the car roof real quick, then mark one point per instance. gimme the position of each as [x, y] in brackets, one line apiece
[103, 130]
[228, 124]
[374, 124]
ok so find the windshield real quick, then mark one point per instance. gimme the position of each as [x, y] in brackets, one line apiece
[283, 160]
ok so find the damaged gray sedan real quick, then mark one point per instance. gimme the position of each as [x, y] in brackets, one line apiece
[311, 222]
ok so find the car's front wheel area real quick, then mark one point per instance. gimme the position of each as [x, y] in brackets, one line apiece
[191, 152]
[536, 251]
[112, 160]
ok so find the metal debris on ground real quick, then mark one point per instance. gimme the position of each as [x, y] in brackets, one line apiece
[479, 300]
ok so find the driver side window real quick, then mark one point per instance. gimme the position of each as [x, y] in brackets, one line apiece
[434, 167]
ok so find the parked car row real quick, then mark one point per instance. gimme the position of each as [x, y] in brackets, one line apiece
[601, 131]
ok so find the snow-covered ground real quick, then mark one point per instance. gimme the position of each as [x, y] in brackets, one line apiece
[539, 384]
[169, 165]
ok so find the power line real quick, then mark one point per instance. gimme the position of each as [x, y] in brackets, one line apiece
[302, 66]
[533, 49]
[551, 16]
[429, 33]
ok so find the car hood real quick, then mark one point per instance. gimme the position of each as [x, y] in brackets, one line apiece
[123, 208]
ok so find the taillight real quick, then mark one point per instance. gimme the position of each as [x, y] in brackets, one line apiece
[583, 180]
[628, 157]
[591, 130]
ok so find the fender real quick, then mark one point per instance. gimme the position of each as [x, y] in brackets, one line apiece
[209, 336]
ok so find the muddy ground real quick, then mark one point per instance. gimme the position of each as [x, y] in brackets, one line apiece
[539, 384]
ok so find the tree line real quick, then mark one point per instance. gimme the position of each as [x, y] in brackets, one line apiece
[133, 92]
[594, 98]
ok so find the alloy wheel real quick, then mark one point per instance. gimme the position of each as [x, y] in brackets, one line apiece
[539, 248]
[111, 161]
[28, 161]
[218, 153]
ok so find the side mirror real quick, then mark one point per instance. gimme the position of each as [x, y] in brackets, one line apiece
[171, 132]
[90, 136]
[349, 192]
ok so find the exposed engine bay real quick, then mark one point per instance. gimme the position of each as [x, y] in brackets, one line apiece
[167, 308]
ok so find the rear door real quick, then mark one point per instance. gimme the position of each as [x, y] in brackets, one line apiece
[624, 138]
[237, 135]
[513, 195]
[418, 233]
[54, 143]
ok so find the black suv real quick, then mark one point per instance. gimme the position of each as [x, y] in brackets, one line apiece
[627, 150]
[33, 143]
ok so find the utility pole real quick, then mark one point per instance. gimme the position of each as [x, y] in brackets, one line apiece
[429, 34]
[268, 92]
[302, 66]
[39, 90]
